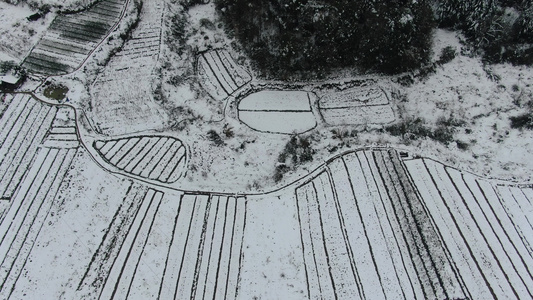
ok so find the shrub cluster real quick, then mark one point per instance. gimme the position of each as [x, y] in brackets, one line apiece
[447, 54]
[214, 137]
[411, 129]
[177, 37]
[298, 150]
[522, 121]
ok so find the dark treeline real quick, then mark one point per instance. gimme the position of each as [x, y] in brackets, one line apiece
[287, 36]
[284, 37]
[502, 31]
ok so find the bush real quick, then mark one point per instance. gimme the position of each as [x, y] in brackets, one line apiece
[206, 23]
[298, 150]
[522, 121]
[447, 54]
[279, 172]
[412, 129]
[228, 131]
[462, 145]
[409, 129]
[446, 129]
[214, 137]
[177, 37]
[443, 134]
[56, 92]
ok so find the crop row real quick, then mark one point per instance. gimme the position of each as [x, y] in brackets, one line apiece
[358, 115]
[364, 234]
[103, 258]
[61, 137]
[122, 89]
[70, 38]
[144, 43]
[220, 75]
[31, 173]
[374, 226]
[23, 126]
[118, 281]
[170, 248]
[27, 211]
[484, 229]
[353, 97]
[156, 158]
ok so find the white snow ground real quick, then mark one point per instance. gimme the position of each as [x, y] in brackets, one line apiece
[365, 224]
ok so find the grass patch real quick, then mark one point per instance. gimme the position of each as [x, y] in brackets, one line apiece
[56, 92]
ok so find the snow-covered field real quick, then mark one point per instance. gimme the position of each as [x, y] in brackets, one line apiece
[24, 125]
[286, 112]
[356, 106]
[144, 184]
[159, 158]
[17, 33]
[366, 223]
[121, 96]
[71, 38]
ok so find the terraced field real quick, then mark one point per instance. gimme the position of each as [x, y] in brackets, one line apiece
[113, 221]
[484, 228]
[121, 95]
[33, 166]
[220, 75]
[152, 157]
[287, 112]
[72, 37]
[375, 238]
[356, 106]
[372, 226]
[168, 248]
[25, 126]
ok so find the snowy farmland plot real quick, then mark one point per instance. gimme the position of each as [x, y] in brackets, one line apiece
[356, 106]
[278, 111]
[484, 227]
[71, 37]
[220, 75]
[157, 158]
[168, 247]
[353, 97]
[373, 226]
[33, 166]
[25, 126]
[116, 238]
[97, 200]
[374, 238]
[121, 97]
